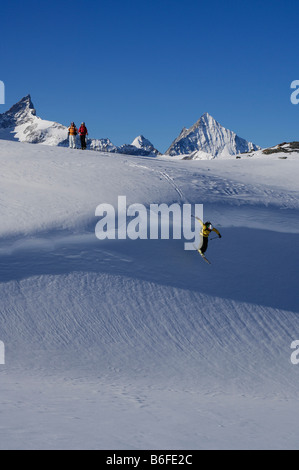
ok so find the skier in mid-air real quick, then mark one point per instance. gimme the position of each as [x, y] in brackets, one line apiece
[207, 228]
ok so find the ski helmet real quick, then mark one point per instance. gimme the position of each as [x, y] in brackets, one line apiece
[209, 226]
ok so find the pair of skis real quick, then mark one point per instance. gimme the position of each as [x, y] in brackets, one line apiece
[202, 255]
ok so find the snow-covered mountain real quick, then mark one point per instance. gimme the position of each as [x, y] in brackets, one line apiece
[101, 145]
[20, 123]
[139, 146]
[207, 139]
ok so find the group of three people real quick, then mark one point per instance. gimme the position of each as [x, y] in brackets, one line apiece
[73, 131]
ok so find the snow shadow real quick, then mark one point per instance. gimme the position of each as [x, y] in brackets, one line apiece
[255, 266]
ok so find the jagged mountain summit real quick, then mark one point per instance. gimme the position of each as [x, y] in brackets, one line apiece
[208, 139]
[20, 123]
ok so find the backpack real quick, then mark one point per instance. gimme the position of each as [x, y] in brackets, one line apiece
[72, 130]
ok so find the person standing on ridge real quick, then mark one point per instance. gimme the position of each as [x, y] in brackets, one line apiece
[207, 228]
[73, 131]
[83, 133]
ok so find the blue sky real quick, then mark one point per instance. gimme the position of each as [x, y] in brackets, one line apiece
[153, 67]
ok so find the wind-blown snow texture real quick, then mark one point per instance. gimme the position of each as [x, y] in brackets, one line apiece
[140, 344]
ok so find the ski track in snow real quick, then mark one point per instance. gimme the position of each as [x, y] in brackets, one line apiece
[131, 345]
[167, 177]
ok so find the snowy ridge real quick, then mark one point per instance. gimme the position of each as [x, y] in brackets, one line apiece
[34, 173]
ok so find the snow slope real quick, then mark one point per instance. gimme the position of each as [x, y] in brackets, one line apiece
[139, 344]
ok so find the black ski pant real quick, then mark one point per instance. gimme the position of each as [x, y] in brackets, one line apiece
[204, 245]
[83, 141]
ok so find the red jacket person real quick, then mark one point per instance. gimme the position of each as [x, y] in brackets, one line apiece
[83, 133]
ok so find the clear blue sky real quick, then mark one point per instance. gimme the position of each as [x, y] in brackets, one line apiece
[130, 67]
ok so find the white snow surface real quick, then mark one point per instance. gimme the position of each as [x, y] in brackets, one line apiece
[125, 344]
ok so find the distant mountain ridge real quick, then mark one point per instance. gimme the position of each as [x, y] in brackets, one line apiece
[206, 139]
[209, 139]
[21, 123]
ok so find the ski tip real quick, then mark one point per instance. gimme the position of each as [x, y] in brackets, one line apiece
[202, 255]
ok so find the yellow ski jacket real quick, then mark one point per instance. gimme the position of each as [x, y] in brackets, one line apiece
[204, 232]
